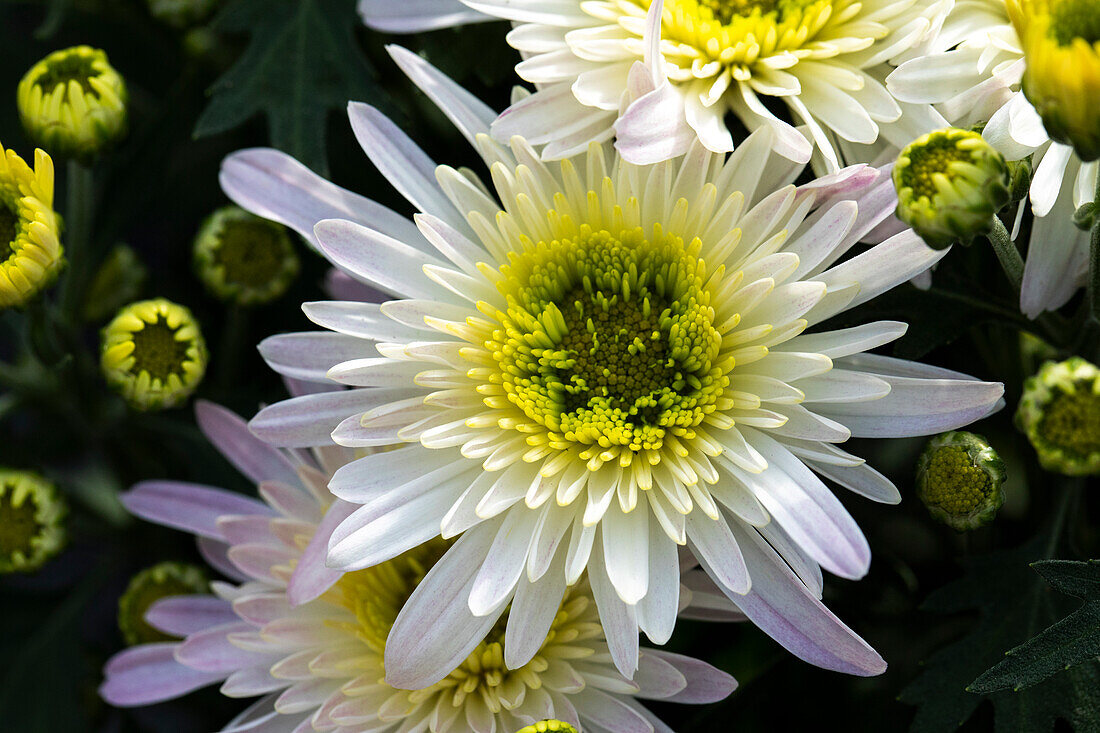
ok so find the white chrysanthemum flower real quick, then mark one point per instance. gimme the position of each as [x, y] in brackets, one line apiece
[313, 641]
[602, 68]
[600, 363]
[972, 73]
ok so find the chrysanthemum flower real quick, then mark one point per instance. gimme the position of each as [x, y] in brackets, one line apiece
[973, 72]
[602, 68]
[313, 641]
[30, 247]
[598, 364]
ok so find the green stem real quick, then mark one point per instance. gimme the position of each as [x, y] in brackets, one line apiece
[1094, 263]
[1007, 254]
[1066, 499]
[80, 185]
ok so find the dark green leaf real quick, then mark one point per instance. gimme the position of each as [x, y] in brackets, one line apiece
[1072, 641]
[302, 62]
[1014, 604]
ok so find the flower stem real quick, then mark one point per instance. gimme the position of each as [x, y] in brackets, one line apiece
[1007, 254]
[1094, 262]
[80, 185]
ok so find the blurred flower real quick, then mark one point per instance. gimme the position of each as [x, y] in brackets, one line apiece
[313, 641]
[244, 259]
[1059, 35]
[29, 227]
[181, 13]
[657, 83]
[959, 479]
[73, 103]
[973, 71]
[117, 282]
[163, 580]
[153, 354]
[950, 184]
[548, 726]
[1060, 413]
[31, 516]
[612, 360]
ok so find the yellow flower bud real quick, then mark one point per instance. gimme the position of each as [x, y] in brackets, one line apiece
[149, 586]
[244, 259]
[1060, 413]
[959, 478]
[31, 516]
[30, 230]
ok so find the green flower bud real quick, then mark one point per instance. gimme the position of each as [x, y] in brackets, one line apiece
[153, 354]
[950, 184]
[163, 580]
[117, 282]
[181, 13]
[31, 521]
[244, 259]
[73, 103]
[1061, 43]
[959, 478]
[549, 726]
[1060, 413]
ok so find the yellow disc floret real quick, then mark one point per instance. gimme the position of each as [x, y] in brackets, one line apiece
[73, 103]
[959, 478]
[154, 354]
[163, 580]
[31, 516]
[548, 726]
[30, 245]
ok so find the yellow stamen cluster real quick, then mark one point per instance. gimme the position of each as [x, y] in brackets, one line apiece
[608, 341]
[375, 597]
[73, 103]
[30, 246]
[1060, 413]
[163, 580]
[153, 354]
[548, 726]
[31, 516]
[954, 484]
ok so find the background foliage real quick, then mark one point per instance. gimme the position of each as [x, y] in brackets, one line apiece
[942, 608]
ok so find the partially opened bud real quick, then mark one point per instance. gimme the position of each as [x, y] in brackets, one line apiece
[244, 259]
[30, 230]
[73, 103]
[163, 580]
[1061, 42]
[950, 184]
[548, 726]
[1060, 413]
[31, 516]
[959, 478]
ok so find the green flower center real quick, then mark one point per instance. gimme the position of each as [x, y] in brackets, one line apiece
[76, 67]
[1072, 422]
[149, 586]
[157, 351]
[933, 156]
[9, 226]
[726, 11]
[19, 525]
[252, 253]
[954, 483]
[609, 339]
[1072, 19]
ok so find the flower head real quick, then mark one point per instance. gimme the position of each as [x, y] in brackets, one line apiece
[959, 478]
[244, 259]
[31, 521]
[30, 244]
[661, 73]
[1060, 413]
[609, 361]
[950, 184]
[181, 13]
[162, 580]
[153, 354]
[314, 641]
[1059, 35]
[73, 103]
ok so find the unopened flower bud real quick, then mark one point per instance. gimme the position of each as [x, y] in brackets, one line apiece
[31, 517]
[244, 259]
[153, 354]
[1060, 413]
[163, 580]
[959, 478]
[950, 184]
[73, 103]
[1061, 43]
[181, 13]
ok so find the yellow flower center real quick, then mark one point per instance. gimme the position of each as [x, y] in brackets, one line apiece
[19, 525]
[375, 596]
[1072, 422]
[608, 340]
[252, 253]
[159, 351]
[31, 514]
[925, 161]
[1073, 19]
[954, 484]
